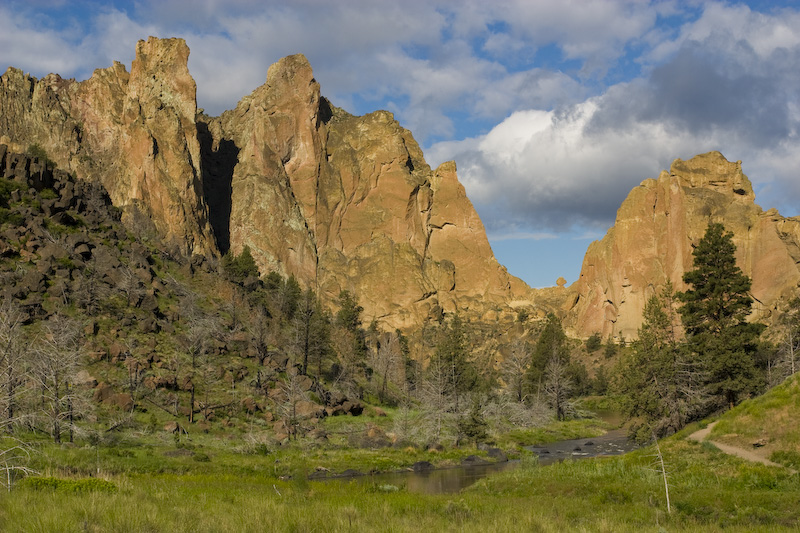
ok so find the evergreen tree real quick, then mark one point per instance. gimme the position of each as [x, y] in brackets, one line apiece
[349, 315]
[239, 268]
[473, 425]
[290, 297]
[662, 386]
[451, 355]
[714, 313]
[552, 344]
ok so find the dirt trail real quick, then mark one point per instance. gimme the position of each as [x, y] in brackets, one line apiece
[747, 455]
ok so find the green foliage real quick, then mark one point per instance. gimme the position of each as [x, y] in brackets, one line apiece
[9, 217]
[451, 358]
[68, 485]
[48, 194]
[38, 152]
[600, 383]
[552, 344]
[714, 313]
[240, 267]
[610, 349]
[6, 188]
[594, 342]
[290, 297]
[579, 378]
[661, 384]
[349, 314]
[473, 425]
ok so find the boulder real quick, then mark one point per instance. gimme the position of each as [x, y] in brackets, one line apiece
[308, 409]
[84, 379]
[422, 466]
[102, 392]
[473, 460]
[122, 400]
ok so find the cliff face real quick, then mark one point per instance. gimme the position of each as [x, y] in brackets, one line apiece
[133, 132]
[341, 202]
[653, 237]
[347, 202]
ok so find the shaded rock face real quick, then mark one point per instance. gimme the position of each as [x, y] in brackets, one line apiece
[656, 229]
[347, 202]
[133, 132]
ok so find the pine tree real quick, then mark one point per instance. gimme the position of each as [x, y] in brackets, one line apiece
[663, 387]
[714, 313]
[452, 355]
[552, 344]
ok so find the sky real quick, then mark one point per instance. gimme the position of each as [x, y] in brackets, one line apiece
[552, 111]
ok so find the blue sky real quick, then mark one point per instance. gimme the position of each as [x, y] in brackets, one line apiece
[552, 111]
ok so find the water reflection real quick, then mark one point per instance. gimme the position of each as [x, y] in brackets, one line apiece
[444, 481]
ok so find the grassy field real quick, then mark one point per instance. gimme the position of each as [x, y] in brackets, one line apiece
[709, 491]
[206, 486]
[208, 483]
[770, 420]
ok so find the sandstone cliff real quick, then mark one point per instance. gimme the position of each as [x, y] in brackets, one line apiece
[652, 241]
[346, 202]
[133, 132]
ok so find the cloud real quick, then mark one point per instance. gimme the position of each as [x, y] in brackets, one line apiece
[515, 90]
[730, 84]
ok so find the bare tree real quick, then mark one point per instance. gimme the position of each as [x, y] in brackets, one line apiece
[13, 350]
[55, 362]
[291, 393]
[197, 341]
[386, 359]
[260, 331]
[438, 404]
[514, 367]
[14, 454]
[785, 363]
[557, 386]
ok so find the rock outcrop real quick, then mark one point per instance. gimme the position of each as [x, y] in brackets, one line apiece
[346, 202]
[341, 202]
[652, 240]
[135, 133]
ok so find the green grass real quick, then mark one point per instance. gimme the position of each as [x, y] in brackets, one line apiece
[566, 430]
[215, 482]
[710, 491]
[770, 418]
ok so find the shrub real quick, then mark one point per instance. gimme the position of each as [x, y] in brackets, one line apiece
[68, 485]
[594, 343]
[38, 152]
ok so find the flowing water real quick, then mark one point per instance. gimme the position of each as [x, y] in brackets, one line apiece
[452, 480]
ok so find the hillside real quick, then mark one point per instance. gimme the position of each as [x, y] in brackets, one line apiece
[766, 424]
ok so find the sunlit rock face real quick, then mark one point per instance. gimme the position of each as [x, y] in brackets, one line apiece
[346, 202]
[134, 132]
[656, 229]
[339, 201]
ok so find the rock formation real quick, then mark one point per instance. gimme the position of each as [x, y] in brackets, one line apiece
[653, 237]
[341, 202]
[133, 132]
[347, 202]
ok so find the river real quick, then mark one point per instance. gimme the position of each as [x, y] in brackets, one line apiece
[452, 480]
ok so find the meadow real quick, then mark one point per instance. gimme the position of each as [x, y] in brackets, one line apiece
[157, 484]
